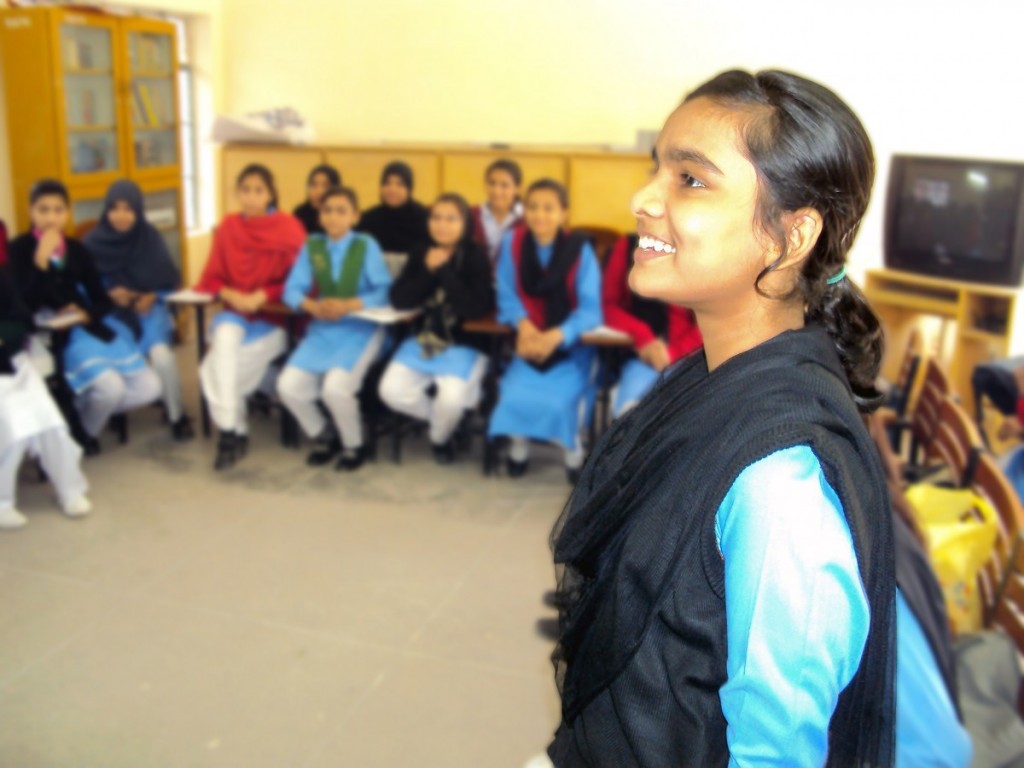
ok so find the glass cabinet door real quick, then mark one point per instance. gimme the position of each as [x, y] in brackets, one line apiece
[90, 105]
[152, 99]
[86, 208]
[163, 211]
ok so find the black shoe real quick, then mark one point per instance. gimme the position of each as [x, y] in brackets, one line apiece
[548, 628]
[227, 451]
[444, 453]
[551, 599]
[572, 475]
[181, 430]
[324, 452]
[90, 446]
[351, 462]
[516, 468]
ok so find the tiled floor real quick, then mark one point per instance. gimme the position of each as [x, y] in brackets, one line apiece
[277, 615]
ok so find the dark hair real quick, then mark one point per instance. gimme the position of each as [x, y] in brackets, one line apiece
[333, 177]
[550, 184]
[255, 169]
[511, 167]
[810, 151]
[464, 212]
[399, 169]
[347, 192]
[46, 187]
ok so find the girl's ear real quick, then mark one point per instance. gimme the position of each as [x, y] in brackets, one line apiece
[803, 228]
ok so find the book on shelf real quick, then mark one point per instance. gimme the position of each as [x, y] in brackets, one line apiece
[88, 107]
[147, 104]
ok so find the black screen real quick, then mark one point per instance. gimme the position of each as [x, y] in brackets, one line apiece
[957, 211]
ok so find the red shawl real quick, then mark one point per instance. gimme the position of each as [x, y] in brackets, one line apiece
[253, 253]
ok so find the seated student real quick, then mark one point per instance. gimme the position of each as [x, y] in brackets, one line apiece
[661, 333]
[251, 255]
[399, 223]
[102, 362]
[320, 179]
[502, 211]
[29, 419]
[138, 270]
[336, 274]
[549, 290]
[449, 278]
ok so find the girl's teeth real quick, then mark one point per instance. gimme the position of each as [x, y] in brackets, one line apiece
[651, 244]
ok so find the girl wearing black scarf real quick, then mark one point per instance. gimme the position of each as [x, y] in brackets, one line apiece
[727, 582]
[399, 223]
[320, 179]
[131, 255]
[449, 279]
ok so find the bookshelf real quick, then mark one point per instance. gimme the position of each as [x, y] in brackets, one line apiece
[92, 98]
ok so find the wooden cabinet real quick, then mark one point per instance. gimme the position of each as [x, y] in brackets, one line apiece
[600, 184]
[93, 98]
[966, 323]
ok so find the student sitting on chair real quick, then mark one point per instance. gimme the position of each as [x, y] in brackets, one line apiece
[320, 179]
[503, 210]
[399, 223]
[139, 272]
[251, 255]
[661, 333]
[549, 290]
[337, 273]
[449, 279]
[102, 361]
[29, 419]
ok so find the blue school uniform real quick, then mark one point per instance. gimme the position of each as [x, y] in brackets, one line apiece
[86, 357]
[545, 404]
[455, 361]
[337, 343]
[157, 326]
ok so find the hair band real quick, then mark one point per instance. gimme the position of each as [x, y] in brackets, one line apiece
[837, 276]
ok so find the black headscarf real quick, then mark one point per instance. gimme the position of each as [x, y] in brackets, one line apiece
[137, 259]
[308, 213]
[398, 229]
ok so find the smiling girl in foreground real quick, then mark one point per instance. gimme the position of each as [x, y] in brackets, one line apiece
[727, 583]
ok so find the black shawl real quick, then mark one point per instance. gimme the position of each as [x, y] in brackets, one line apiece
[396, 229]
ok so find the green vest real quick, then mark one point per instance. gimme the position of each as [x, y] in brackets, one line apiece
[347, 284]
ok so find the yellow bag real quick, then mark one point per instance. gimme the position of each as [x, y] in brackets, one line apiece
[961, 529]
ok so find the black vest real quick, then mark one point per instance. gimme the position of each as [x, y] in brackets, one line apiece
[642, 652]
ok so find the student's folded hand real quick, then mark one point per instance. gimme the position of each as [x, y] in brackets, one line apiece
[144, 302]
[335, 309]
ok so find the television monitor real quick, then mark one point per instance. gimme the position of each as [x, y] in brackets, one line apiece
[956, 218]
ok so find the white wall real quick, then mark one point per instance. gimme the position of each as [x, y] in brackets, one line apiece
[926, 77]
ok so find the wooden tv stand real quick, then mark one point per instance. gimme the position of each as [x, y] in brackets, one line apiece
[965, 323]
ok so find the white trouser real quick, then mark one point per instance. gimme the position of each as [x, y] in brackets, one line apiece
[112, 392]
[231, 371]
[405, 390]
[338, 389]
[519, 450]
[60, 456]
[161, 357]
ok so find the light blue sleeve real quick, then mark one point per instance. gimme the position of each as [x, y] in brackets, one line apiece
[299, 281]
[375, 281]
[510, 308]
[587, 314]
[927, 729]
[796, 610]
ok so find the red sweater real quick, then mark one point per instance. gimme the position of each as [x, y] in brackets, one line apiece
[616, 300]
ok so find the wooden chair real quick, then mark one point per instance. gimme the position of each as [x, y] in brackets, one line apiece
[997, 576]
[957, 443]
[923, 420]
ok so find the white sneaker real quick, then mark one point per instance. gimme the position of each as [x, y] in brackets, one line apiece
[78, 508]
[11, 518]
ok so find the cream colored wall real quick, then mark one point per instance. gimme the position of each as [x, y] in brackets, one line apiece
[926, 77]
